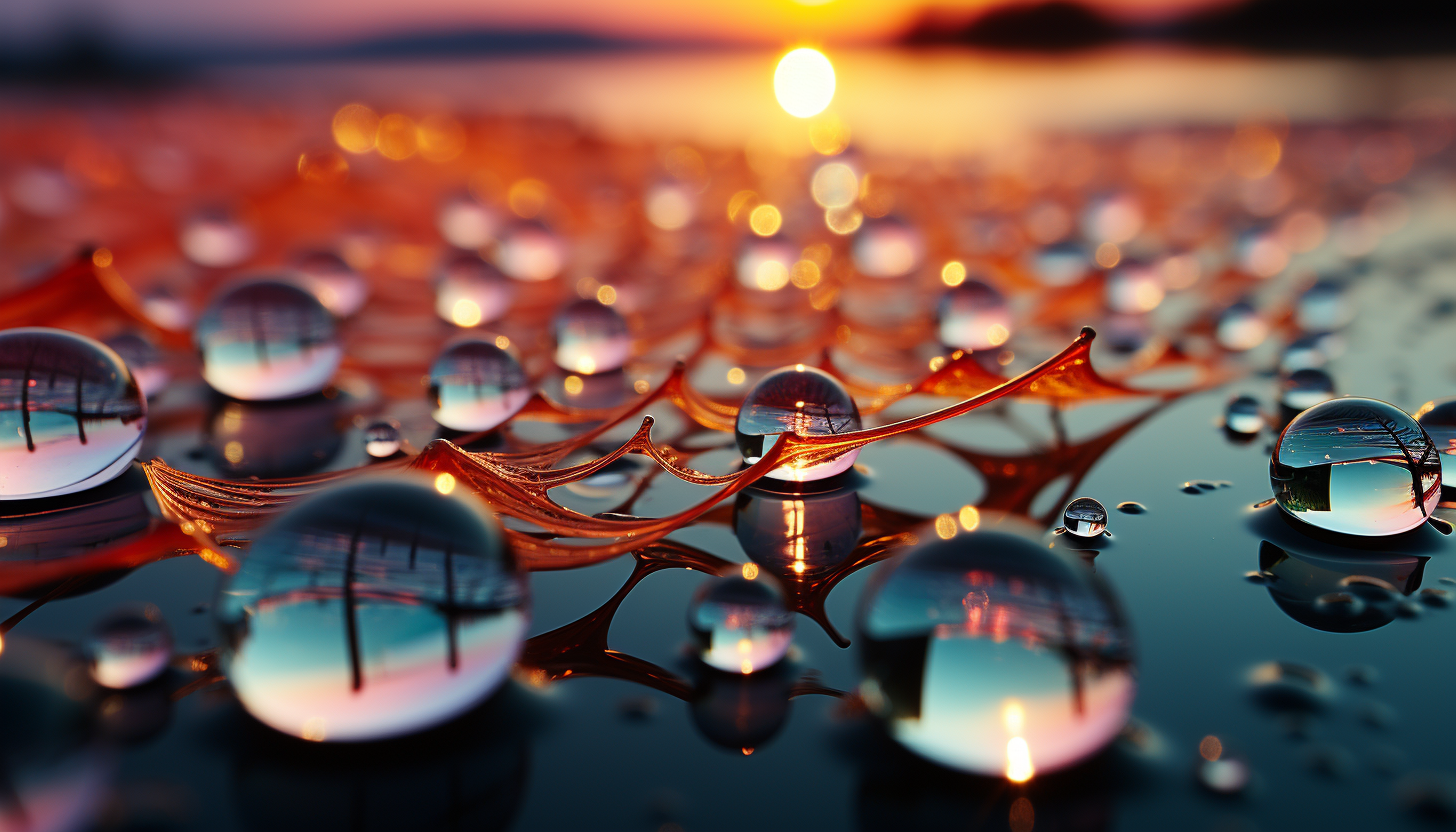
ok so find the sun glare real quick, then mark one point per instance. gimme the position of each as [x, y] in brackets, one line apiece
[804, 82]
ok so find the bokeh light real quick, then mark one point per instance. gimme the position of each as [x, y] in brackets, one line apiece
[804, 82]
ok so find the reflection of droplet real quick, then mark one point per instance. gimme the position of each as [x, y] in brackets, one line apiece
[215, 240]
[381, 440]
[590, 338]
[1085, 517]
[1356, 466]
[71, 414]
[1438, 419]
[1291, 686]
[274, 439]
[1339, 604]
[973, 316]
[144, 360]
[470, 291]
[476, 385]
[887, 247]
[1242, 415]
[802, 400]
[130, 647]
[265, 340]
[741, 625]
[742, 713]
[334, 282]
[1303, 389]
[987, 645]
[374, 609]
[1130, 507]
[797, 535]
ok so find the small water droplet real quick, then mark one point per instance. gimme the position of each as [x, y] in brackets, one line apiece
[476, 386]
[466, 223]
[1310, 351]
[265, 340]
[1303, 389]
[1433, 597]
[1085, 517]
[1290, 686]
[71, 413]
[336, 284]
[216, 240]
[1341, 604]
[1060, 264]
[1241, 328]
[1323, 307]
[381, 440]
[741, 625]
[765, 264]
[1438, 419]
[373, 609]
[1243, 416]
[887, 247]
[129, 647]
[973, 316]
[1227, 775]
[531, 252]
[1134, 288]
[591, 338]
[1130, 507]
[1356, 466]
[470, 291]
[801, 400]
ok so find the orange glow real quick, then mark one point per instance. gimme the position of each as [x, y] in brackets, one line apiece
[606, 295]
[440, 138]
[1255, 151]
[396, 138]
[765, 220]
[573, 385]
[737, 376]
[829, 134]
[101, 258]
[953, 273]
[355, 128]
[215, 559]
[465, 313]
[804, 82]
[1018, 761]
[1108, 255]
[970, 518]
[750, 571]
[945, 527]
[1210, 749]
[528, 197]
[324, 167]
[445, 483]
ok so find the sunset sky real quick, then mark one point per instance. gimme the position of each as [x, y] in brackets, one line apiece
[314, 21]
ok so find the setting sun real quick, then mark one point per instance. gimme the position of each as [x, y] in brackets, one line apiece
[804, 82]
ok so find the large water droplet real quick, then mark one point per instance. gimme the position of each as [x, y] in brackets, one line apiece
[801, 400]
[71, 414]
[129, 647]
[973, 316]
[1241, 327]
[1242, 415]
[470, 291]
[374, 609]
[143, 359]
[530, 251]
[989, 653]
[381, 440]
[334, 282]
[476, 386]
[216, 240]
[795, 535]
[887, 247]
[1438, 420]
[741, 625]
[1085, 517]
[1303, 389]
[1356, 466]
[266, 340]
[590, 338]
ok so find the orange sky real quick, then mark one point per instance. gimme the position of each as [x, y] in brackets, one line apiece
[745, 21]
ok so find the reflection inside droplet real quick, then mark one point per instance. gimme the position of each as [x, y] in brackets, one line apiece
[802, 400]
[795, 535]
[129, 647]
[265, 340]
[340, 288]
[590, 338]
[470, 291]
[1085, 517]
[381, 440]
[973, 316]
[1438, 420]
[1242, 415]
[476, 386]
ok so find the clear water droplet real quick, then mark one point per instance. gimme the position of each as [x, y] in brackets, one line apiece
[216, 240]
[71, 414]
[887, 247]
[336, 284]
[1085, 517]
[373, 609]
[531, 252]
[1134, 288]
[1323, 307]
[1438, 420]
[476, 386]
[973, 316]
[801, 400]
[1243, 416]
[144, 360]
[1356, 466]
[1308, 351]
[797, 535]
[741, 625]
[1131, 507]
[470, 291]
[1287, 686]
[1241, 328]
[1060, 264]
[381, 440]
[1303, 389]
[590, 338]
[989, 653]
[765, 264]
[265, 340]
[467, 223]
[129, 647]
[1227, 775]
[1433, 597]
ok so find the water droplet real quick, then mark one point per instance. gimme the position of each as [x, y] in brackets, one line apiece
[381, 440]
[1309, 351]
[973, 316]
[1438, 419]
[470, 291]
[1329, 760]
[71, 414]
[1356, 466]
[1243, 416]
[1362, 674]
[130, 647]
[144, 361]
[1226, 775]
[530, 251]
[1130, 507]
[1241, 328]
[989, 653]
[765, 263]
[802, 400]
[1085, 517]
[466, 223]
[1134, 288]
[373, 609]
[590, 338]
[887, 247]
[741, 625]
[1303, 389]
[1339, 604]
[1060, 264]
[266, 340]
[1287, 686]
[797, 535]
[216, 240]
[1323, 307]
[476, 386]
[334, 282]
[1302, 578]
[1433, 597]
